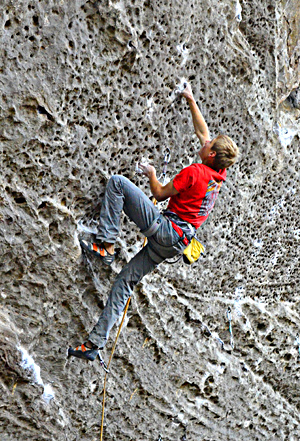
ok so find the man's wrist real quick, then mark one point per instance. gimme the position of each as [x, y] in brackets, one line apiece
[152, 174]
[191, 100]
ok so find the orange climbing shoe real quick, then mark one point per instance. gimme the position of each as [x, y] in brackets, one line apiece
[84, 352]
[98, 250]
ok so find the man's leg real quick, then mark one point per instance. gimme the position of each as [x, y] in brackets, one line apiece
[122, 194]
[140, 265]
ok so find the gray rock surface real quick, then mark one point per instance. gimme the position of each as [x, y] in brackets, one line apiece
[87, 89]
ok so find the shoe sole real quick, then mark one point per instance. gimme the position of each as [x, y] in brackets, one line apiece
[81, 355]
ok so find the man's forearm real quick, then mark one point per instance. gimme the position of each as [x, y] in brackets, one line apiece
[159, 191]
[155, 186]
[199, 123]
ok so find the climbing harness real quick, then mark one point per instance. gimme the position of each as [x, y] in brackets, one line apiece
[230, 327]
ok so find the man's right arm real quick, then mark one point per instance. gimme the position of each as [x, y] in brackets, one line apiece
[200, 125]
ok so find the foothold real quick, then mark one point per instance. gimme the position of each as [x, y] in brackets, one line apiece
[43, 111]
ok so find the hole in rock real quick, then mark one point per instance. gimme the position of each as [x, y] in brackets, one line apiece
[43, 111]
[35, 20]
[42, 205]
[20, 200]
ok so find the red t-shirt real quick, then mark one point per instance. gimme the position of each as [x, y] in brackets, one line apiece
[198, 186]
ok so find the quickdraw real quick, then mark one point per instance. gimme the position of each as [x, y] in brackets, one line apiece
[297, 342]
[167, 159]
[230, 327]
[103, 364]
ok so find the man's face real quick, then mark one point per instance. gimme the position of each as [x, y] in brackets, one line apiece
[206, 153]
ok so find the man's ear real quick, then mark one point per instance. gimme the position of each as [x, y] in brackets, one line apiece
[212, 153]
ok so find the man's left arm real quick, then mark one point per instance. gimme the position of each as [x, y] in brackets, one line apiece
[160, 192]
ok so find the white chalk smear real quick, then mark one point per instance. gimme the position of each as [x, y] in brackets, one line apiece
[297, 234]
[150, 108]
[238, 11]
[258, 243]
[28, 364]
[182, 49]
[48, 394]
[285, 134]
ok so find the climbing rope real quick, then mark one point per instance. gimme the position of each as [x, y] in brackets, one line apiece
[108, 364]
[230, 327]
[164, 172]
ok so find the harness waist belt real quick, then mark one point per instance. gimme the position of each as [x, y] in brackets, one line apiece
[180, 232]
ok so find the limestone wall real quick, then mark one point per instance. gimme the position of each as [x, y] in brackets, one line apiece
[87, 90]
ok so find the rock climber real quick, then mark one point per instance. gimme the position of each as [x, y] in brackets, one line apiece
[192, 194]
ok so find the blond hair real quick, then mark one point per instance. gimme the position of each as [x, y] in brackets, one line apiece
[226, 152]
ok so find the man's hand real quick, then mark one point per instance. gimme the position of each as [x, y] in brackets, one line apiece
[147, 169]
[159, 191]
[187, 92]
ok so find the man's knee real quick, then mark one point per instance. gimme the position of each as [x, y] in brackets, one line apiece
[116, 180]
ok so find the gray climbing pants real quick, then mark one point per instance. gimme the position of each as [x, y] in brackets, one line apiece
[121, 194]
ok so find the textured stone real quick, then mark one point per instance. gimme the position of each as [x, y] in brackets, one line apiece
[88, 89]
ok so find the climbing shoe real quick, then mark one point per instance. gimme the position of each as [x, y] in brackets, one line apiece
[98, 250]
[86, 353]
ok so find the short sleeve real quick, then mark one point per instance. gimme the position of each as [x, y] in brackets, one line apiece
[185, 179]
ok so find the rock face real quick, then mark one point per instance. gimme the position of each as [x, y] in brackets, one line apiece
[87, 89]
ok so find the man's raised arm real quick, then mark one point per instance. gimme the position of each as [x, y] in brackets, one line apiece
[200, 125]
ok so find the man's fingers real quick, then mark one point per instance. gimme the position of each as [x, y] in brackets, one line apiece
[187, 88]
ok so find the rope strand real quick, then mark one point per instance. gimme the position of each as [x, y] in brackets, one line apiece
[166, 161]
[110, 358]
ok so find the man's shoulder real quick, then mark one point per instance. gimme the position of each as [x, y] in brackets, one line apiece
[194, 167]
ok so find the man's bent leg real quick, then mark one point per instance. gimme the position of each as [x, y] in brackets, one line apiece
[140, 265]
[122, 194]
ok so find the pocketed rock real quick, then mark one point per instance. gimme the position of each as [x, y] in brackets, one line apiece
[88, 89]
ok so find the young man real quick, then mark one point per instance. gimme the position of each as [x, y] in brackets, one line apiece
[192, 196]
